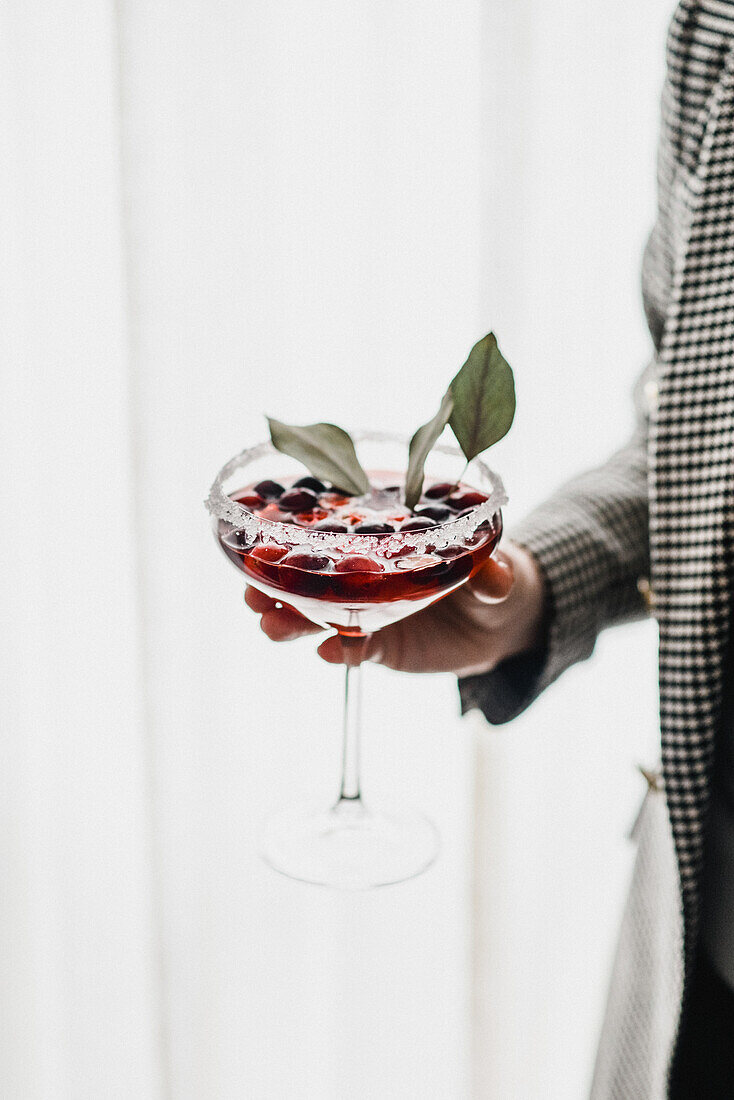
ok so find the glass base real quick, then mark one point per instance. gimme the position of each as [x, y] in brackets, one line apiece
[349, 847]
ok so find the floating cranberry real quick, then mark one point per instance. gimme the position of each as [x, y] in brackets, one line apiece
[453, 551]
[273, 513]
[434, 511]
[459, 501]
[374, 529]
[238, 539]
[479, 536]
[268, 552]
[440, 490]
[311, 483]
[303, 519]
[310, 519]
[297, 559]
[332, 526]
[298, 500]
[355, 563]
[422, 524]
[269, 489]
[334, 500]
[402, 552]
[250, 500]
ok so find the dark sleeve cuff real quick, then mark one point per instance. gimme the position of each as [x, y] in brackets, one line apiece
[504, 693]
[591, 543]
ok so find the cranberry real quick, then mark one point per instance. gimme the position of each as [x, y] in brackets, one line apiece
[357, 564]
[403, 551]
[458, 501]
[434, 511]
[333, 526]
[310, 519]
[269, 489]
[273, 513]
[298, 500]
[453, 551]
[374, 529]
[297, 559]
[268, 552]
[239, 539]
[334, 500]
[311, 483]
[250, 500]
[421, 524]
[440, 490]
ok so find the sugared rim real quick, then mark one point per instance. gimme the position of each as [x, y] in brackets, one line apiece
[456, 530]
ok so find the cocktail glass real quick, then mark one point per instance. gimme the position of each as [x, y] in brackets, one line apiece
[351, 845]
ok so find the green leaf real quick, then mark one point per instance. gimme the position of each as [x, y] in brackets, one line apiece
[420, 445]
[326, 450]
[484, 398]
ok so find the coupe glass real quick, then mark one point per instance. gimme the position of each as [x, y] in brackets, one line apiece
[351, 845]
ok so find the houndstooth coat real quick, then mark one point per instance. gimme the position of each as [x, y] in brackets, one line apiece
[654, 524]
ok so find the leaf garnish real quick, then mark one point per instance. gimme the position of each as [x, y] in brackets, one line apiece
[420, 445]
[326, 450]
[484, 398]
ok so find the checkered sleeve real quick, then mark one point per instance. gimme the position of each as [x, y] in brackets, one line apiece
[591, 542]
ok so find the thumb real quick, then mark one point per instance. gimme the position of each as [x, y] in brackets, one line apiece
[492, 583]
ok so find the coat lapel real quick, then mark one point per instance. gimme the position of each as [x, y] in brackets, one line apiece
[691, 499]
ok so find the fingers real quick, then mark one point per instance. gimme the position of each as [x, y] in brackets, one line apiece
[493, 581]
[331, 650]
[283, 625]
[279, 621]
[258, 601]
[335, 652]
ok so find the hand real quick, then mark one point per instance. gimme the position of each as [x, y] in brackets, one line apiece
[495, 615]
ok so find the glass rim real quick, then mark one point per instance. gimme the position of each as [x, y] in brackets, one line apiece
[458, 528]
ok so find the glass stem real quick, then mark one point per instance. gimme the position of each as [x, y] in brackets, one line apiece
[350, 791]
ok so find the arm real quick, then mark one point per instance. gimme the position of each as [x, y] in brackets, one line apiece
[533, 609]
[591, 544]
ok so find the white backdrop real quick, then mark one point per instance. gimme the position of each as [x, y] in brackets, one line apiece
[214, 210]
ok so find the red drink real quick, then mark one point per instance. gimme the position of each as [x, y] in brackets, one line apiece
[389, 561]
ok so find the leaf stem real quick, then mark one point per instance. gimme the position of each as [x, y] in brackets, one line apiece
[460, 478]
[456, 484]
